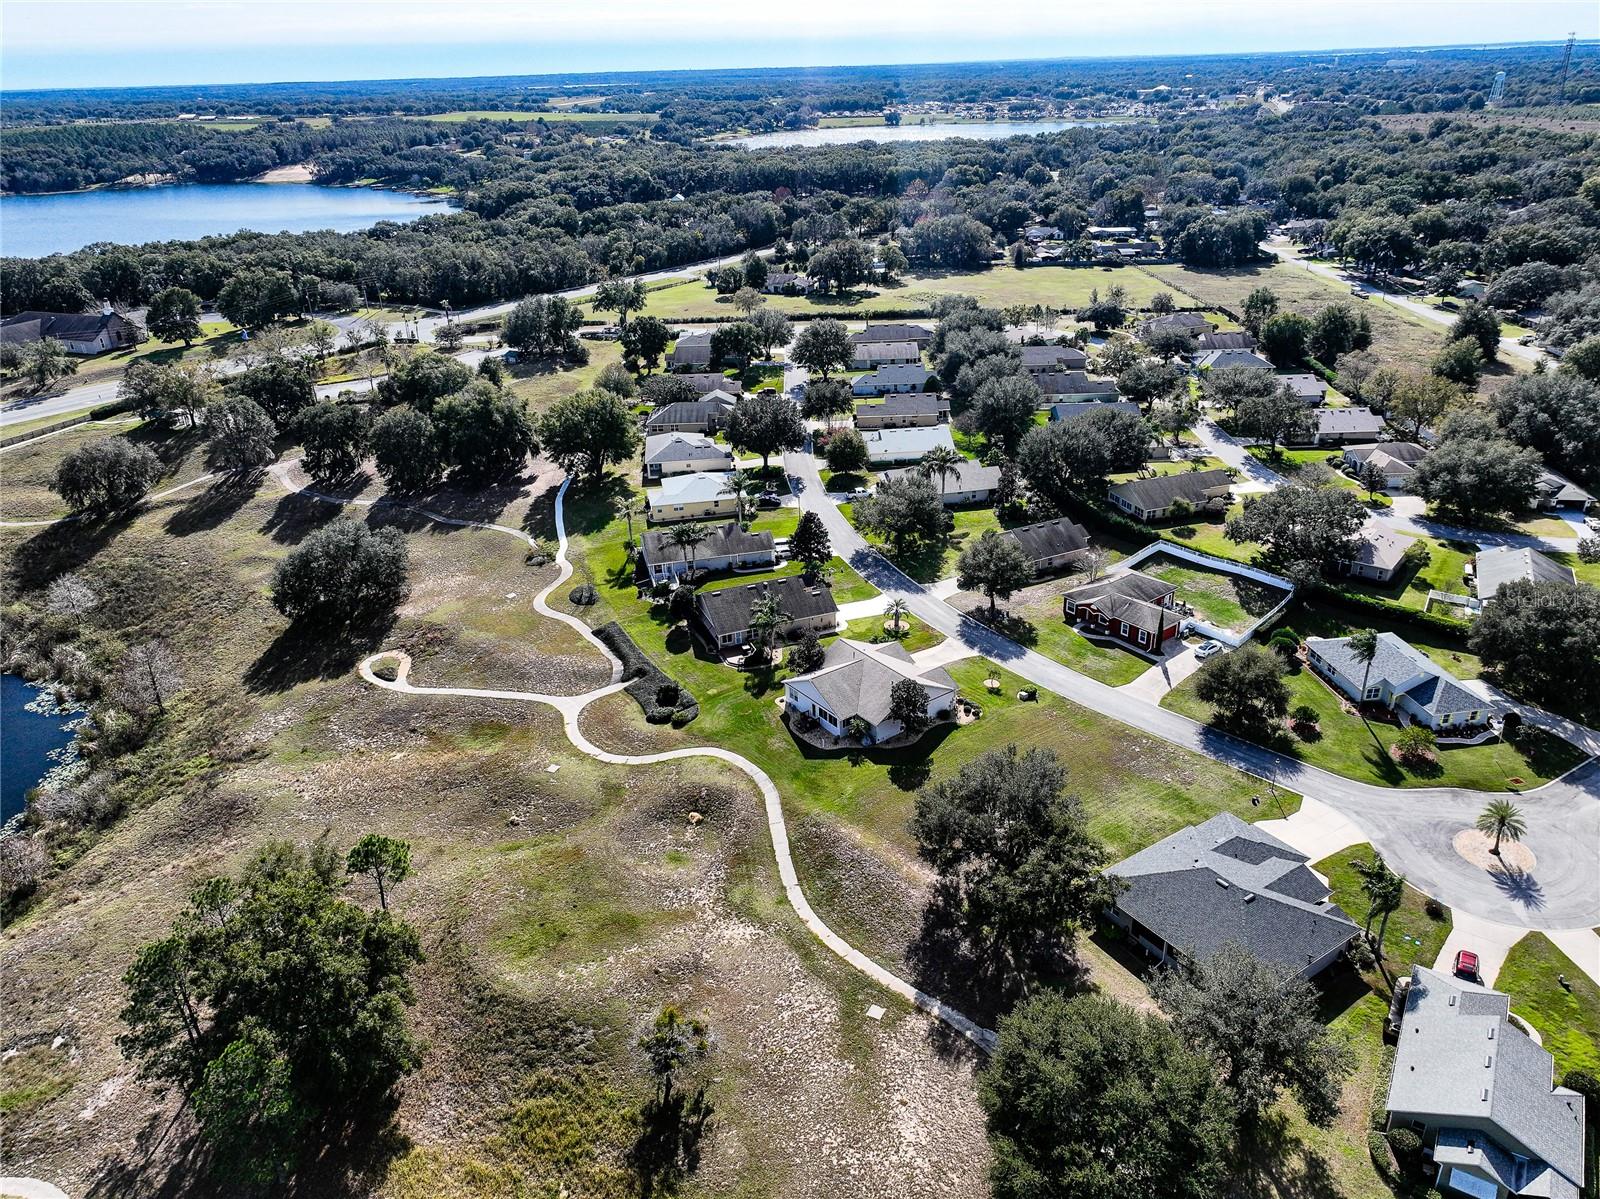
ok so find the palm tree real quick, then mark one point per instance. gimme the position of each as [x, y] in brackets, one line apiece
[897, 612]
[1503, 820]
[686, 537]
[766, 617]
[738, 485]
[1364, 646]
[940, 463]
[630, 509]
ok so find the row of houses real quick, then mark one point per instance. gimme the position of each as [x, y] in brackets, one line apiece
[1397, 461]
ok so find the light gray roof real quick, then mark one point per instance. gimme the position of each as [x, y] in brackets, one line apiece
[855, 678]
[1405, 453]
[701, 412]
[1496, 567]
[1219, 359]
[1305, 387]
[683, 447]
[891, 444]
[1560, 488]
[1397, 664]
[1381, 549]
[1342, 421]
[1159, 492]
[709, 381]
[1459, 1058]
[695, 487]
[724, 541]
[968, 476]
[1189, 322]
[1226, 881]
[1070, 411]
[885, 351]
[893, 374]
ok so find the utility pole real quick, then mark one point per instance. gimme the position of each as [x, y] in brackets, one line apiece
[1566, 65]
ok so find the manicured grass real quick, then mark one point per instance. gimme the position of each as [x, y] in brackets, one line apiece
[1055, 286]
[1568, 1018]
[914, 636]
[1348, 745]
[1054, 638]
[1158, 467]
[541, 385]
[1413, 937]
[1290, 463]
[1587, 572]
[1441, 570]
[1230, 601]
[848, 586]
[1137, 788]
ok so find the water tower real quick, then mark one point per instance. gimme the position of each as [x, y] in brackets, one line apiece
[1498, 91]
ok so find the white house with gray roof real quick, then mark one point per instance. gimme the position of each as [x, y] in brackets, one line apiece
[1401, 678]
[887, 447]
[1482, 1095]
[970, 483]
[1227, 882]
[1494, 568]
[855, 681]
[668, 454]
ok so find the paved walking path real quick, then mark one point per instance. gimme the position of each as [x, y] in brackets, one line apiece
[1412, 827]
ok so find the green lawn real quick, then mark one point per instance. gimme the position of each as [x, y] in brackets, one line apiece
[1349, 746]
[914, 636]
[1587, 572]
[1054, 638]
[1055, 286]
[1289, 463]
[1568, 1018]
[1137, 789]
[1413, 937]
[1442, 569]
[1219, 598]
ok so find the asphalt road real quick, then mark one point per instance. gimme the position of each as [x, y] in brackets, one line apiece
[1413, 828]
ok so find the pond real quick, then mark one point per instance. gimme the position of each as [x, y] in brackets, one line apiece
[34, 226]
[904, 133]
[35, 738]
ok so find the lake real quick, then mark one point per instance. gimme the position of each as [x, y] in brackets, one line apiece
[33, 226]
[903, 133]
[34, 742]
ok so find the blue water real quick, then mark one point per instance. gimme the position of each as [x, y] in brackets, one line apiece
[27, 742]
[33, 226]
[901, 133]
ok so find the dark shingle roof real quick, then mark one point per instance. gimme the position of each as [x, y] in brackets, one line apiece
[874, 333]
[722, 542]
[1199, 899]
[1224, 341]
[908, 403]
[680, 413]
[1151, 494]
[63, 326]
[727, 609]
[1049, 538]
[1067, 383]
[1042, 356]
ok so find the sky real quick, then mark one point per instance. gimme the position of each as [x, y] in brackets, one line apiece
[105, 43]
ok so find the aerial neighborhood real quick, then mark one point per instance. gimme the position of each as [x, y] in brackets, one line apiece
[1019, 628]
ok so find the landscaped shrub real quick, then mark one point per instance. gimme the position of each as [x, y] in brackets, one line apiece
[807, 654]
[1433, 908]
[584, 595]
[1406, 1147]
[649, 685]
[1286, 643]
[1304, 714]
[1382, 1159]
[1511, 726]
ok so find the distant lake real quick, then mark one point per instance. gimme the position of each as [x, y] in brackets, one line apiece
[33, 741]
[903, 133]
[33, 226]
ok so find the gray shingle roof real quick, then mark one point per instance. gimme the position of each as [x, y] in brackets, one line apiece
[1130, 598]
[697, 413]
[727, 609]
[1070, 411]
[1049, 538]
[1190, 322]
[855, 678]
[897, 374]
[724, 541]
[1222, 359]
[64, 326]
[904, 404]
[1459, 1058]
[887, 352]
[874, 333]
[1494, 568]
[1224, 341]
[968, 476]
[709, 381]
[1397, 664]
[682, 447]
[1067, 383]
[1211, 884]
[1409, 453]
[1037, 357]
[1339, 422]
[1149, 495]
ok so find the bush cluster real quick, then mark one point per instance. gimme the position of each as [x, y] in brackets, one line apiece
[659, 696]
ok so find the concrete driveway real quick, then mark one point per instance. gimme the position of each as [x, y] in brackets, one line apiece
[1490, 940]
[1316, 830]
[1414, 828]
[1178, 664]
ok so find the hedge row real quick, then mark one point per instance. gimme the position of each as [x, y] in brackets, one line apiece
[1393, 612]
[1324, 373]
[1103, 518]
[661, 697]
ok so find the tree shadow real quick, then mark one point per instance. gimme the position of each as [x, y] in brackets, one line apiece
[301, 655]
[1518, 886]
[673, 1126]
[167, 1159]
[1273, 1160]
[295, 517]
[590, 505]
[214, 506]
[62, 548]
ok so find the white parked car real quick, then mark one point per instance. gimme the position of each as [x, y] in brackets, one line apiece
[1208, 649]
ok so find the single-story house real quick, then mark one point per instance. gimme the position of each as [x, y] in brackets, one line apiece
[680, 453]
[692, 351]
[1051, 544]
[869, 355]
[1071, 411]
[1554, 491]
[78, 332]
[1481, 1095]
[1133, 607]
[888, 447]
[1494, 568]
[724, 612]
[786, 283]
[1190, 322]
[1152, 499]
[1472, 289]
[1338, 426]
[1042, 360]
[918, 335]
[1112, 232]
[1076, 385]
[1308, 389]
[903, 412]
[1226, 882]
[1223, 359]
[896, 377]
[703, 416]
[1396, 459]
[1207, 342]
[1400, 678]
[725, 547]
[970, 483]
[855, 681]
[695, 496]
[1038, 233]
[1378, 556]
[706, 382]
